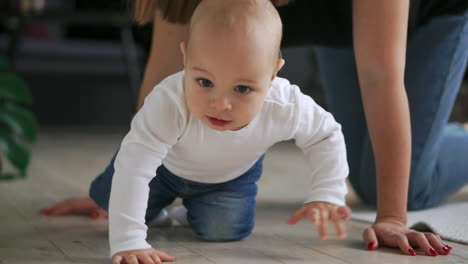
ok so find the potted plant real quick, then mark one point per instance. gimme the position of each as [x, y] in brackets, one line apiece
[18, 125]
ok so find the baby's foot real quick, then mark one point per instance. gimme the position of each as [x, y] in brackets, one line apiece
[73, 206]
[179, 215]
[162, 220]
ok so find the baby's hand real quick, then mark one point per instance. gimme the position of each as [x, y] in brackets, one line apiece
[149, 255]
[319, 213]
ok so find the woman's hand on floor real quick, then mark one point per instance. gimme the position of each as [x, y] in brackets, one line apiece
[319, 213]
[146, 256]
[388, 232]
[77, 205]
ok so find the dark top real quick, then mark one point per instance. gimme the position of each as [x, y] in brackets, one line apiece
[329, 22]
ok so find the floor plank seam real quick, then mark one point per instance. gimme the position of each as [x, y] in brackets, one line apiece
[277, 260]
[37, 229]
[311, 248]
[187, 248]
[194, 252]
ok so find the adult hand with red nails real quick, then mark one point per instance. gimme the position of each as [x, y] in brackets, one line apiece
[393, 233]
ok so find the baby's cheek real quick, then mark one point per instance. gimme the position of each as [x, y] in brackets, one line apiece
[197, 105]
[248, 116]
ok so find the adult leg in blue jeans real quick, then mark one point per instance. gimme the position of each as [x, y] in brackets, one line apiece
[435, 63]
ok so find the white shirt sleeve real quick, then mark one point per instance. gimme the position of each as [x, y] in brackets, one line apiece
[154, 129]
[319, 136]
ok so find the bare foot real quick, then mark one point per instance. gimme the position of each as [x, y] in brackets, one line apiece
[76, 205]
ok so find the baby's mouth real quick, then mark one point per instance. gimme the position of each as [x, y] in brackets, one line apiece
[218, 122]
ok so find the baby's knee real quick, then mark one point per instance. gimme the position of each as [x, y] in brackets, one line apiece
[222, 227]
[223, 233]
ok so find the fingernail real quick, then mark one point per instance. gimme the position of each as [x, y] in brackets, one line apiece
[449, 247]
[94, 214]
[411, 251]
[370, 246]
[446, 249]
[433, 252]
[45, 211]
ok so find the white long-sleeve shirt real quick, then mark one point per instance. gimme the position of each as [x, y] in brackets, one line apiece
[165, 132]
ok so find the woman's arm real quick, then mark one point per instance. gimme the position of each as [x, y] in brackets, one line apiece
[380, 29]
[165, 57]
[380, 33]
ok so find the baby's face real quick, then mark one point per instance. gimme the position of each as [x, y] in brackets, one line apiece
[227, 77]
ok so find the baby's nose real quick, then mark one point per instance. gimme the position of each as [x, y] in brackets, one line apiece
[221, 103]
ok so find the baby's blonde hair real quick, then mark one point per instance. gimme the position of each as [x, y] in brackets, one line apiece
[174, 11]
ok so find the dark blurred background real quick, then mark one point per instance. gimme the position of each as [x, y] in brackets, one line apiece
[83, 60]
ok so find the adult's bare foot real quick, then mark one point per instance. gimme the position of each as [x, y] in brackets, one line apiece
[75, 206]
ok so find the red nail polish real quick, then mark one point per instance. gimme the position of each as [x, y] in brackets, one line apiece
[94, 214]
[45, 211]
[446, 249]
[433, 252]
[370, 246]
[449, 247]
[411, 251]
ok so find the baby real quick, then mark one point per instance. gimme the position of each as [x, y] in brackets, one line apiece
[204, 131]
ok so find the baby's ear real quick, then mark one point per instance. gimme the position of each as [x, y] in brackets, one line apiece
[279, 64]
[183, 49]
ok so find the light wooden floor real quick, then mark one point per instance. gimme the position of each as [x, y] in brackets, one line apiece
[66, 160]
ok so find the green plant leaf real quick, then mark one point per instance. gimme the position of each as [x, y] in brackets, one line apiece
[15, 151]
[19, 120]
[14, 88]
[3, 64]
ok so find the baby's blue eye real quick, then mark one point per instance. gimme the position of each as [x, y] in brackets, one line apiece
[204, 82]
[242, 89]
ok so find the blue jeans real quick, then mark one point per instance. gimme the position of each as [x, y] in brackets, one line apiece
[436, 59]
[216, 212]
